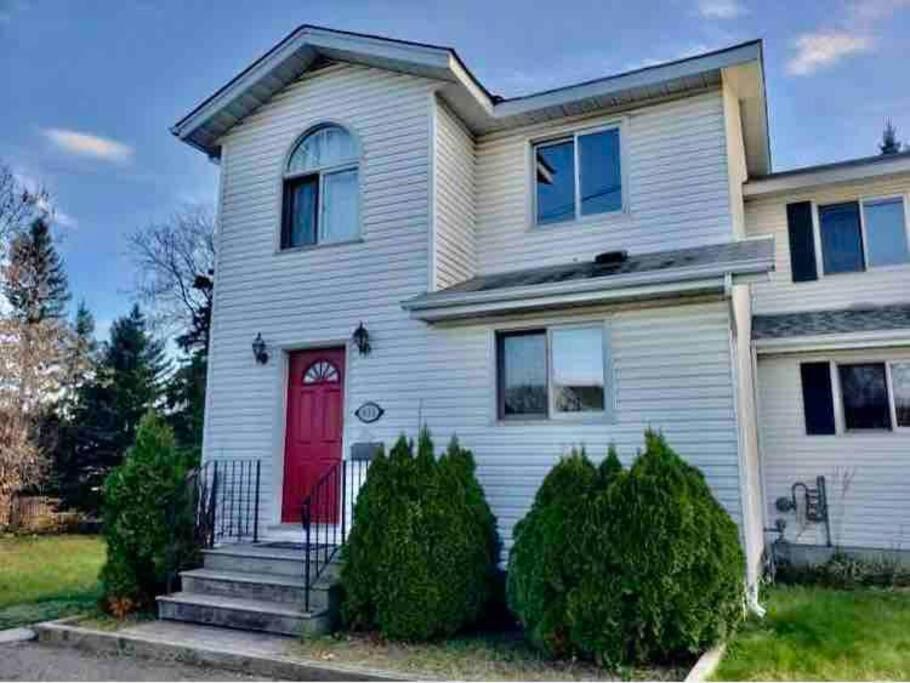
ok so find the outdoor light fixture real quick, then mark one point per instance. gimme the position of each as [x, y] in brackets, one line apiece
[361, 339]
[259, 352]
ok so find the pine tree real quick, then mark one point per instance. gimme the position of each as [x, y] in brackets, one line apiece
[33, 340]
[127, 383]
[35, 285]
[889, 143]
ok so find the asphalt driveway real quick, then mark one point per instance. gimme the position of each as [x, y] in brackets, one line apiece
[32, 661]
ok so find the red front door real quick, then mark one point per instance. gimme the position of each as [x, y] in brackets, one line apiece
[313, 432]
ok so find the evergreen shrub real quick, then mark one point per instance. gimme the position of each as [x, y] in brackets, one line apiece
[420, 562]
[626, 566]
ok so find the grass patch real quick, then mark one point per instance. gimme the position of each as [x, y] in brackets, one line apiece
[48, 577]
[489, 656]
[813, 633]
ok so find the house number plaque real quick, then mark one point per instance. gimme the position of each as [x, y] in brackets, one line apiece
[369, 412]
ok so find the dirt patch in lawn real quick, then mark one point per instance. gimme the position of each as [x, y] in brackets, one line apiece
[488, 656]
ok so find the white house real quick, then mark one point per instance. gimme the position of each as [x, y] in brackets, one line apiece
[561, 269]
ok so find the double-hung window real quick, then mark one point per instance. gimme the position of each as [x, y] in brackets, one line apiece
[873, 395]
[321, 190]
[558, 372]
[578, 175]
[858, 235]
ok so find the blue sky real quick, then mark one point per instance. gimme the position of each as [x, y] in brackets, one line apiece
[89, 89]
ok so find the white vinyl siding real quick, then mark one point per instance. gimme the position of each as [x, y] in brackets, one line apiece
[446, 376]
[318, 296]
[455, 249]
[877, 286]
[677, 188]
[867, 473]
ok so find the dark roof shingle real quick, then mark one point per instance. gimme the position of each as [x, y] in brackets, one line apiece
[841, 321]
[715, 254]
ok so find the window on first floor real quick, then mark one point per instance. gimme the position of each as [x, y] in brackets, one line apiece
[863, 234]
[579, 175]
[555, 372]
[871, 396]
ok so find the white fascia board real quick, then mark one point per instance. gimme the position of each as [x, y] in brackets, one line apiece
[826, 175]
[832, 342]
[432, 314]
[642, 78]
[422, 60]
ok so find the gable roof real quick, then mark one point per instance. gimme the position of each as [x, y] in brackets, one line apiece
[696, 270]
[481, 111]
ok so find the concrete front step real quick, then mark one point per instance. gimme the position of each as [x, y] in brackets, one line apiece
[288, 590]
[257, 559]
[253, 615]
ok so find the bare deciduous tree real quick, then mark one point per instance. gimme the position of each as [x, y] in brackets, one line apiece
[19, 206]
[176, 260]
[32, 364]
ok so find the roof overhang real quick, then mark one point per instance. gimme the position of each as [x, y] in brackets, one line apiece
[853, 170]
[701, 280]
[832, 342]
[482, 112]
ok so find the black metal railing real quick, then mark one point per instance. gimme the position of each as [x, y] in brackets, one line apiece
[227, 501]
[326, 519]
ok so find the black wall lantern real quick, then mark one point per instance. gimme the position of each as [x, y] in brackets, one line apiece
[259, 352]
[361, 339]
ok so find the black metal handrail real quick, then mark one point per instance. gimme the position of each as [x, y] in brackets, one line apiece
[325, 518]
[227, 501]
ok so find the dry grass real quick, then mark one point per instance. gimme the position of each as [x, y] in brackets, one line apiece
[492, 656]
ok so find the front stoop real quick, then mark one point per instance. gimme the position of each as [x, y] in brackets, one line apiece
[254, 588]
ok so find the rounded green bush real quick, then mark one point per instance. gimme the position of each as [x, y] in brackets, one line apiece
[420, 562]
[148, 519]
[646, 565]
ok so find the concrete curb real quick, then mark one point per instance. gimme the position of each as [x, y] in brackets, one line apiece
[16, 635]
[706, 664]
[64, 633]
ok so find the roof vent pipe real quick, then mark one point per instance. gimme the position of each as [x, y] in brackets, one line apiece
[610, 257]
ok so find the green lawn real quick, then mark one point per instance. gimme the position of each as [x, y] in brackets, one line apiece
[813, 633]
[45, 577]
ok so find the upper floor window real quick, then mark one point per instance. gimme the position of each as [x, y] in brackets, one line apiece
[863, 234]
[579, 175]
[321, 200]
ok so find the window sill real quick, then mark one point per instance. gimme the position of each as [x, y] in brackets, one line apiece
[894, 267]
[317, 247]
[611, 217]
[599, 419]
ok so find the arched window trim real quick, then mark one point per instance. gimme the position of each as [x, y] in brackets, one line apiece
[291, 179]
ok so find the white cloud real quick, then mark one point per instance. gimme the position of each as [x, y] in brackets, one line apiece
[88, 145]
[824, 48]
[720, 9]
[858, 24]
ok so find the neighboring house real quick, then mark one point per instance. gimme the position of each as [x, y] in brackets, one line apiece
[831, 331]
[562, 269]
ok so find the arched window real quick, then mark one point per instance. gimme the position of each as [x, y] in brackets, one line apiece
[322, 371]
[321, 189]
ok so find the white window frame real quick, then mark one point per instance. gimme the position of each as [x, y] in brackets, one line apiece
[619, 127]
[895, 427]
[321, 172]
[607, 414]
[861, 202]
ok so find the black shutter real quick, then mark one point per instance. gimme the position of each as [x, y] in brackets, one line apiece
[818, 403]
[802, 242]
